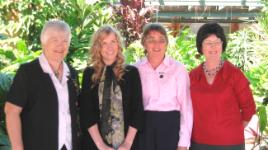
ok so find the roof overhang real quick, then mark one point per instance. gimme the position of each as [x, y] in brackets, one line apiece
[205, 10]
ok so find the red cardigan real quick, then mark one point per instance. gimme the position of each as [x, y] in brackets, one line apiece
[220, 108]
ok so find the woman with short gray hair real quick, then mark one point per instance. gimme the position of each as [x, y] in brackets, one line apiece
[41, 104]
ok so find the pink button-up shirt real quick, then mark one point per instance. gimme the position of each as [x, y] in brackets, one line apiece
[167, 88]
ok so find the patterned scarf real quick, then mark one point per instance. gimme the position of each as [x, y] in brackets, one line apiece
[111, 109]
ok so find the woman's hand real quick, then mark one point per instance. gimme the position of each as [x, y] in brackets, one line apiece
[95, 134]
[125, 146]
[245, 123]
[105, 147]
[181, 148]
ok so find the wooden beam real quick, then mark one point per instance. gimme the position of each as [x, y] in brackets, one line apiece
[208, 14]
[184, 20]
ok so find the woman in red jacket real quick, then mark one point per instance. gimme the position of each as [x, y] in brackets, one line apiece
[222, 100]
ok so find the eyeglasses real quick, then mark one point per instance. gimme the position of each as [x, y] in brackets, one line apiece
[153, 41]
[212, 44]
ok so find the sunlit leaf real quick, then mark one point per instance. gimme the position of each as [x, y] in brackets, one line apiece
[262, 117]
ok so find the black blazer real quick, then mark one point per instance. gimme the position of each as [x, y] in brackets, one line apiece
[132, 104]
[33, 90]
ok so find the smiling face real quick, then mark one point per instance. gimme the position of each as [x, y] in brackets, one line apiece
[155, 45]
[212, 47]
[56, 45]
[109, 48]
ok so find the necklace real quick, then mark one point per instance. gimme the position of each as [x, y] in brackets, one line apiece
[212, 72]
[57, 71]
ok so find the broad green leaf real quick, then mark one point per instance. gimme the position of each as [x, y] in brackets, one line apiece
[21, 46]
[262, 117]
[4, 141]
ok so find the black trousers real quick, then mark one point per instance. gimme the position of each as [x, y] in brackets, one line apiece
[161, 131]
[63, 148]
[197, 146]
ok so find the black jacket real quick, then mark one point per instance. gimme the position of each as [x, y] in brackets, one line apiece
[33, 90]
[132, 104]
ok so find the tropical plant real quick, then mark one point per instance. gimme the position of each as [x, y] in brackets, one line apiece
[25, 19]
[5, 83]
[183, 49]
[133, 52]
[132, 17]
[262, 113]
[263, 18]
[248, 49]
[13, 58]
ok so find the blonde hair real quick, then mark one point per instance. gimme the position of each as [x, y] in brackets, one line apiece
[95, 58]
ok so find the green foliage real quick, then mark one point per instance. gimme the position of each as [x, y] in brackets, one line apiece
[25, 19]
[263, 117]
[258, 77]
[133, 53]
[246, 48]
[5, 83]
[4, 141]
[86, 20]
[13, 58]
[262, 112]
[262, 87]
[183, 49]
[263, 18]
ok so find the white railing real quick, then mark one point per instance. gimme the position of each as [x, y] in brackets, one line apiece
[250, 3]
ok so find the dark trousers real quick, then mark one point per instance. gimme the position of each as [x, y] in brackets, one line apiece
[161, 131]
[63, 148]
[197, 146]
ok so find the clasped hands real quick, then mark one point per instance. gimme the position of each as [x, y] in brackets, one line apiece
[123, 146]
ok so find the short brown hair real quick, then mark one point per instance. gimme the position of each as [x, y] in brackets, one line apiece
[209, 29]
[153, 27]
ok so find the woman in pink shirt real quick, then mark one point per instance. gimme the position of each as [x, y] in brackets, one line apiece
[222, 100]
[166, 95]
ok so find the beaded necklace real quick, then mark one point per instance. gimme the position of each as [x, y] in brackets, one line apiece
[212, 72]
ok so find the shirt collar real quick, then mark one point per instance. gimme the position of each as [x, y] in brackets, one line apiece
[47, 69]
[143, 61]
[167, 61]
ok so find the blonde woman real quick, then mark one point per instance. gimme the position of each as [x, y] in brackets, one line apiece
[111, 100]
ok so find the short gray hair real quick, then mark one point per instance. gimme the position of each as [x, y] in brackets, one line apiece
[56, 24]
